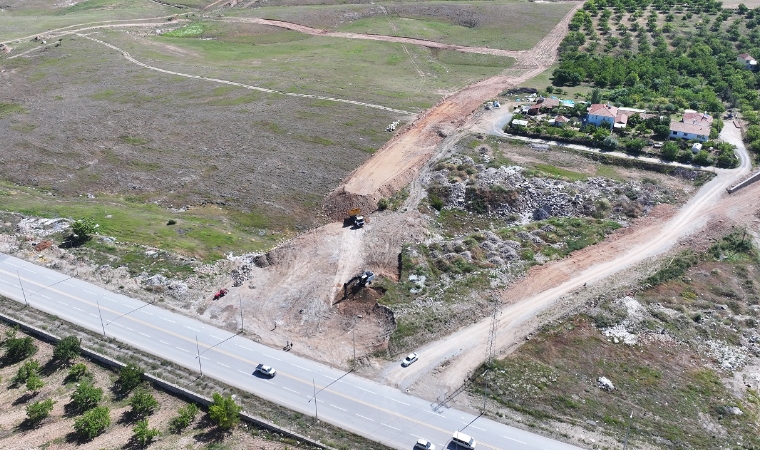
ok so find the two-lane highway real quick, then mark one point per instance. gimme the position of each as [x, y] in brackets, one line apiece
[378, 412]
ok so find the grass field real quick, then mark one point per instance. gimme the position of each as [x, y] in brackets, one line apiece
[511, 25]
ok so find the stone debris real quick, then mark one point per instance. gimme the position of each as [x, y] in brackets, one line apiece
[605, 384]
[41, 227]
[729, 357]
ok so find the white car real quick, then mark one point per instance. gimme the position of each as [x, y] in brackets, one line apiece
[410, 358]
[424, 444]
[266, 370]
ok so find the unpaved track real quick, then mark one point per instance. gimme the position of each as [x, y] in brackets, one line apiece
[547, 285]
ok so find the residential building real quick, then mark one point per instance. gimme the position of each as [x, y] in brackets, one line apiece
[747, 61]
[689, 131]
[604, 114]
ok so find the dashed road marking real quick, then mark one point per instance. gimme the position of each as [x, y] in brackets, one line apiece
[144, 334]
[337, 407]
[365, 417]
[191, 328]
[164, 342]
[215, 337]
[505, 437]
[62, 303]
[45, 296]
[80, 310]
[386, 425]
[399, 401]
[180, 348]
[366, 390]
[164, 318]
[291, 390]
[246, 348]
[223, 365]
[268, 356]
[302, 368]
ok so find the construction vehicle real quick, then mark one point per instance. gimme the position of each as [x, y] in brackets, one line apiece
[221, 293]
[496, 104]
[353, 285]
[355, 219]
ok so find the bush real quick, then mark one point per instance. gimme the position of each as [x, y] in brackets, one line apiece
[382, 204]
[144, 435]
[83, 229]
[34, 383]
[67, 349]
[77, 372]
[17, 349]
[39, 411]
[129, 378]
[86, 396]
[224, 412]
[93, 422]
[185, 418]
[143, 403]
[29, 368]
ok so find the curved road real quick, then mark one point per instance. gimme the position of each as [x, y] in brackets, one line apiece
[378, 412]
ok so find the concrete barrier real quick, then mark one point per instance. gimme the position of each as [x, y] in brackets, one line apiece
[161, 384]
[744, 183]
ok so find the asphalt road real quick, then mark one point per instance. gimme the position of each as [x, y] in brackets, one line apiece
[378, 412]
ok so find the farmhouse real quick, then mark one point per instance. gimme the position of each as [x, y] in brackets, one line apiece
[747, 61]
[543, 104]
[689, 131]
[560, 121]
[600, 114]
[691, 116]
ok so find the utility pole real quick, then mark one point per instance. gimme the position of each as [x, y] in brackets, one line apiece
[625, 444]
[316, 410]
[22, 288]
[198, 349]
[101, 317]
[354, 336]
[241, 313]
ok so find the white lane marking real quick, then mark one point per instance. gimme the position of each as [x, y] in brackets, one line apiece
[30, 270]
[49, 278]
[246, 348]
[291, 390]
[89, 292]
[45, 296]
[386, 425]
[215, 337]
[5, 282]
[146, 312]
[164, 318]
[224, 365]
[74, 307]
[365, 417]
[129, 329]
[505, 437]
[182, 349]
[473, 426]
[117, 324]
[61, 302]
[11, 264]
[337, 407]
[93, 315]
[302, 368]
[277, 359]
[399, 401]
[109, 299]
[191, 328]
[364, 389]
[203, 357]
[144, 334]
[246, 373]
[440, 415]
[164, 342]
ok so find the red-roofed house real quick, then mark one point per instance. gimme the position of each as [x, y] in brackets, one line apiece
[561, 120]
[697, 117]
[600, 114]
[689, 131]
[747, 61]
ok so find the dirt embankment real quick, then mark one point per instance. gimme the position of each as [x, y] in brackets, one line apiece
[397, 163]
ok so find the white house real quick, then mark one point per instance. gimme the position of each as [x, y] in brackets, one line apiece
[604, 114]
[747, 61]
[689, 131]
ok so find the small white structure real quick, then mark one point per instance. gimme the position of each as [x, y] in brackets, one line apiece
[747, 61]
[696, 147]
[519, 122]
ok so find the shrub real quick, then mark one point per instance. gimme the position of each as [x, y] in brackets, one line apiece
[29, 368]
[86, 396]
[382, 204]
[83, 229]
[77, 372]
[34, 383]
[17, 349]
[129, 378]
[171, 222]
[185, 418]
[144, 435]
[143, 403]
[93, 422]
[39, 411]
[224, 412]
[67, 349]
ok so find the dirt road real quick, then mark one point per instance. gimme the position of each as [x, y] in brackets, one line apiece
[548, 285]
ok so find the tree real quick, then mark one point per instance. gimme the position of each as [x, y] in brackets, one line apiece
[93, 422]
[77, 372]
[86, 396]
[702, 158]
[610, 142]
[29, 368]
[224, 412]
[34, 383]
[39, 411]
[83, 229]
[142, 403]
[17, 349]
[129, 378]
[670, 151]
[185, 418]
[67, 349]
[143, 434]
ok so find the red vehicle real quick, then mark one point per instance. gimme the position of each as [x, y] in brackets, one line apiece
[220, 294]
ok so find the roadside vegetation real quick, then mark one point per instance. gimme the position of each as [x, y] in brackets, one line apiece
[675, 353]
